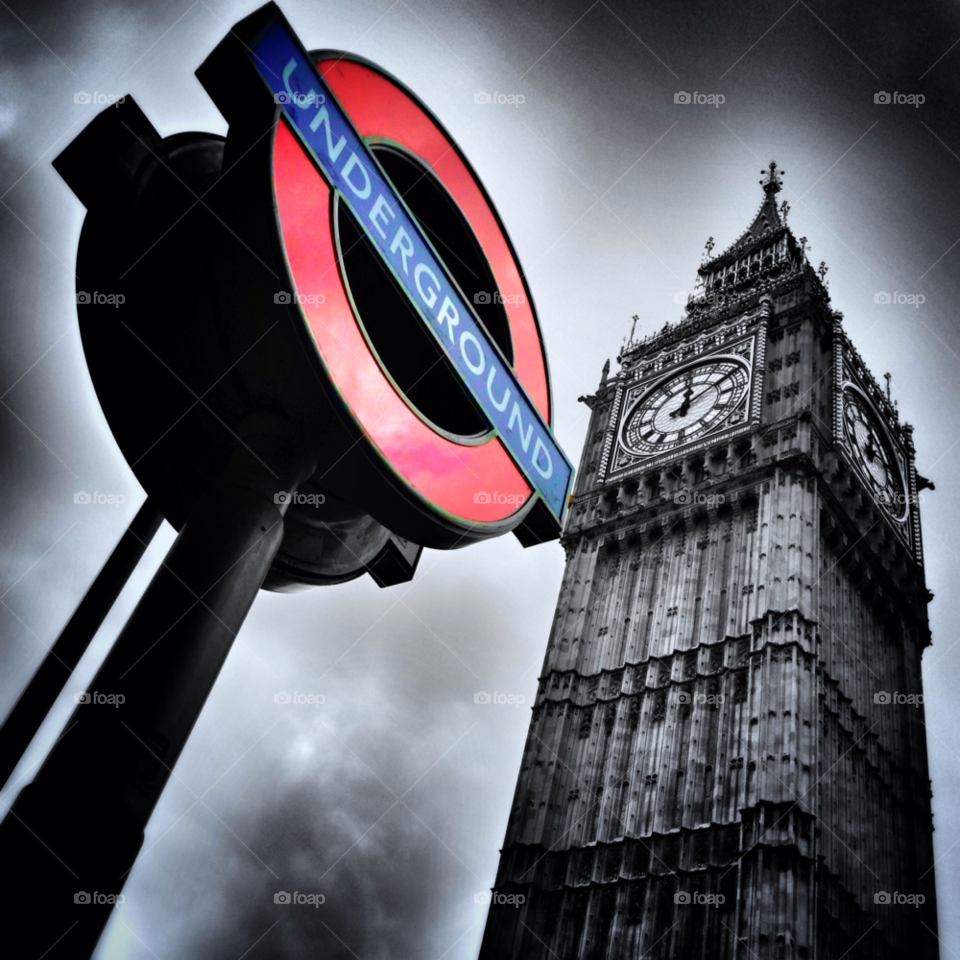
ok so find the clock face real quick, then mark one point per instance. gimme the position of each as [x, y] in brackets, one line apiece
[873, 453]
[686, 406]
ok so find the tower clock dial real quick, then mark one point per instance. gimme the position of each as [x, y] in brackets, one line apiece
[686, 406]
[873, 453]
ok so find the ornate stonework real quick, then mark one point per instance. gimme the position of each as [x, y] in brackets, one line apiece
[716, 765]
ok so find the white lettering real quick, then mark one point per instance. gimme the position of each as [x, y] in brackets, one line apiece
[449, 313]
[302, 100]
[287, 70]
[538, 450]
[502, 405]
[481, 362]
[379, 211]
[354, 161]
[402, 241]
[333, 152]
[515, 416]
[429, 296]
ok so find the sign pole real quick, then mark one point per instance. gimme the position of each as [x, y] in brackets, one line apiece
[73, 835]
[23, 721]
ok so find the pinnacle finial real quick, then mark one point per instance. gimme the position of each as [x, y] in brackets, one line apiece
[773, 178]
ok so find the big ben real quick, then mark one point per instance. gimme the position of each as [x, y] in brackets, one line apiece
[726, 757]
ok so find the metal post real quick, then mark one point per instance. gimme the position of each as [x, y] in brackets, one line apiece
[28, 713]
[73, 835]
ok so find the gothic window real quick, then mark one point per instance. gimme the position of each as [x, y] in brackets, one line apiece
[620, 828]
[595, 815]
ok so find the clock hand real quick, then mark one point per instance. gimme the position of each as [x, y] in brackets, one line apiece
[681, 411]
[709, 385]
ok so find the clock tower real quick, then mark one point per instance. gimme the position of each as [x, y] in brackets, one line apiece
[726, 757]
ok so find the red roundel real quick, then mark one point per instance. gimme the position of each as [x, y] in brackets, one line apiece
[472, 482]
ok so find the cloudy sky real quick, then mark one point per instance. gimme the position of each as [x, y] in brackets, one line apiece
[391, 799]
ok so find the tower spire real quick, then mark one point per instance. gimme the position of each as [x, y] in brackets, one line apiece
[773, 179]
[769, 218]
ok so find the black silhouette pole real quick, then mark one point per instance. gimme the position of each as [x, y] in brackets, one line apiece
[72, 836]
[28, 713]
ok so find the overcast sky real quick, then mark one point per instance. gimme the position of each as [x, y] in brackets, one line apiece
[392, 798]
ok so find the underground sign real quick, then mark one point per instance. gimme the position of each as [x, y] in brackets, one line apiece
[404, 282]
